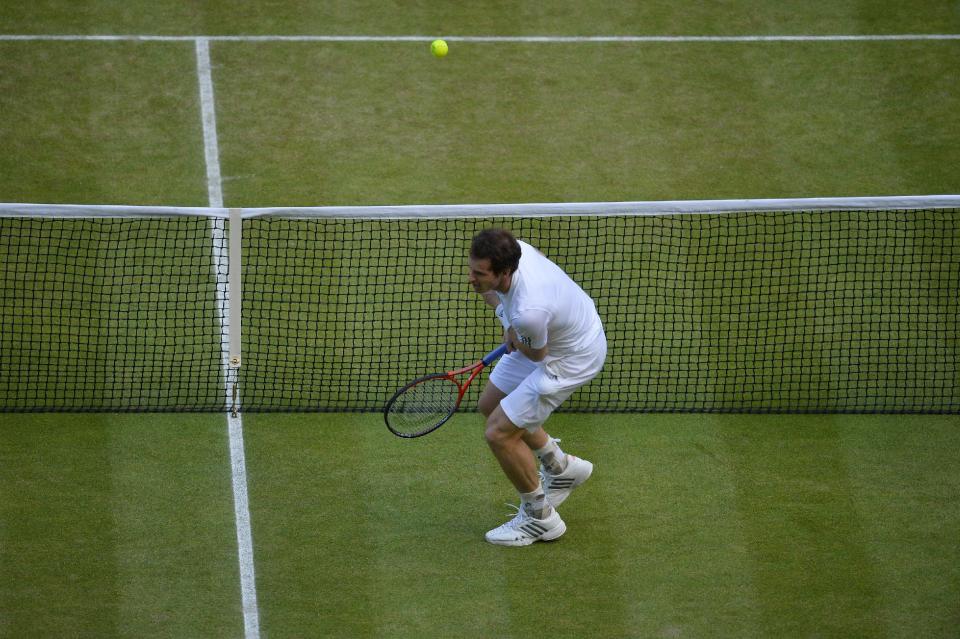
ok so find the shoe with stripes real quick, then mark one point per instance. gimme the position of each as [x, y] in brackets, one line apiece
[525, 529]
[559, 487]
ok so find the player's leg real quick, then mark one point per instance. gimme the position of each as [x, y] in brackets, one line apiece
[551, 458]
[561, 472]
[503, 437]
[535, 438]
[489, 399]
[507, 443]
[536, 520]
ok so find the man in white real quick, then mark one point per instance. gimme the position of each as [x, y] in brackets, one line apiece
[555, 345]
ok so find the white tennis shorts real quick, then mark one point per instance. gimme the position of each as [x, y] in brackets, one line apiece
[535, 389]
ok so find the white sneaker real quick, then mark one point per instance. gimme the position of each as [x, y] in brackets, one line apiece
[559, 487]
[523, 530]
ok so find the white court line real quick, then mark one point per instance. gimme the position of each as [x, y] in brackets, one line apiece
[211, 148]
[238, 466]
[493, 39]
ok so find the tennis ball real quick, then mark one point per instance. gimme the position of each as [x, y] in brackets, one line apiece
[439, 48]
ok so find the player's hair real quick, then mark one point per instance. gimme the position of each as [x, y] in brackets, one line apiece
[500, 247]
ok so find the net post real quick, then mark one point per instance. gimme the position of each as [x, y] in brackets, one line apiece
[235, 295]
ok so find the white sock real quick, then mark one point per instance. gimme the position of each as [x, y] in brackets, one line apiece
[553, 459]
[535, 503]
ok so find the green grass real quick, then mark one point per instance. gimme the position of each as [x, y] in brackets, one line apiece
[719, 526]
[525, 17]
[383, 124]
[694, 526]
[722, 526]
[114, 123]
[116, 526]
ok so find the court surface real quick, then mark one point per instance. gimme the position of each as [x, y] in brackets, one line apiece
[693, 525]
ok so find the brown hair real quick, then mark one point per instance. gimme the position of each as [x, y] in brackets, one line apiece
[500, 247]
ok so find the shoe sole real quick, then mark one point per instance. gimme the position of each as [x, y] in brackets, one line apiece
[556, 502]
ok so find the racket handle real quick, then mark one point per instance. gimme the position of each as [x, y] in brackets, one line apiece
[494, 355]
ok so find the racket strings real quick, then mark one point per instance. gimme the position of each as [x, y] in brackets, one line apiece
[423, 406]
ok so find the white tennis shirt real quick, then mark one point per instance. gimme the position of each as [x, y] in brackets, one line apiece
[544, 306]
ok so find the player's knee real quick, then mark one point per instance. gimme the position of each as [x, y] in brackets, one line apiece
[499, 429]
[490, 434]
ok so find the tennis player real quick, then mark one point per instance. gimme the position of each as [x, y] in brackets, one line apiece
[555, 344]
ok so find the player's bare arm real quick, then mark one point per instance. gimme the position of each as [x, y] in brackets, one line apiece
[514, 344]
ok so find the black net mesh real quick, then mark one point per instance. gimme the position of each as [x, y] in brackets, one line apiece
[755, 312]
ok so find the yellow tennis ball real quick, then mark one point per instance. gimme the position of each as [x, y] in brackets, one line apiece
[439, 48]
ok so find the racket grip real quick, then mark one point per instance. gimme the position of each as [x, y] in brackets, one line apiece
[494, 355]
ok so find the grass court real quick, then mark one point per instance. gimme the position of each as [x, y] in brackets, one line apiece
[694, 525]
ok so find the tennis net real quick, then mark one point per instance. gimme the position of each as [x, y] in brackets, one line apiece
[749, 306]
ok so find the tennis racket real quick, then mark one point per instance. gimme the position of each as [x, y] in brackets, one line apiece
[426, 403]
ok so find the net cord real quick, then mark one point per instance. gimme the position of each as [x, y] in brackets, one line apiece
[463, 211]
